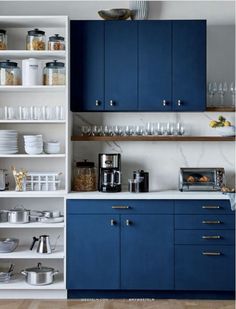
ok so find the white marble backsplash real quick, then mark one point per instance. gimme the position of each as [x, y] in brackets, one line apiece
[161, 159]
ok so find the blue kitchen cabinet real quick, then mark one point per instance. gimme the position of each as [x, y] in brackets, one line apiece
[147, 252]
[93, 251]
[189, 65]
[87, 65]
[103, 66]
[155, 68]
[204, 246]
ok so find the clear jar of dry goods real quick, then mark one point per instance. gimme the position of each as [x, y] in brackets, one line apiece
[56, 42]
[54, 73]
[3, 39]
[36, 40]
[10, 73]
[84, 176]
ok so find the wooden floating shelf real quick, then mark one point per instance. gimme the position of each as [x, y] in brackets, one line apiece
[220, 109]
[153, 138]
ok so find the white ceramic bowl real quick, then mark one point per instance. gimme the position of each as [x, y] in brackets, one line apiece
[226, 131]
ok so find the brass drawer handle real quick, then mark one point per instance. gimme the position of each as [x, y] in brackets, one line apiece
[211, 237]
[211, 253]
[211, 222]
[120, 207]
[210, 207]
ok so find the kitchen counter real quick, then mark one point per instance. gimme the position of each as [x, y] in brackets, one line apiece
[155, 195]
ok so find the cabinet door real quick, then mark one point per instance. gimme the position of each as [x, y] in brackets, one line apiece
[120, 65]
[147, 252]
[154, 65]
[87, 65]
[208, 267]
[189, 65]
[93, 252]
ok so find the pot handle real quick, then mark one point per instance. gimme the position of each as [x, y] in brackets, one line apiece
[55, 272]
[34, 241]
[23, 272]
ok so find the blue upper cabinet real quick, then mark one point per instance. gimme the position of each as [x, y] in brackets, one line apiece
[189, 65]
[87, 66]
[154, 63]
[121, 66]
[138, 65]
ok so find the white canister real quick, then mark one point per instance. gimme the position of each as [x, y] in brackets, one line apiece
[32, 72]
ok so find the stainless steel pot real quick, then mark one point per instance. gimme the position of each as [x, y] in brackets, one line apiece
[39, 275]
[18, 215]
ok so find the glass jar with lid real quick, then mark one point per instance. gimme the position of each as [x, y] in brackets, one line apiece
[3, 39]
[54, 73]
[10, 73]
[84, 176]
[36, 40]
[56, 42]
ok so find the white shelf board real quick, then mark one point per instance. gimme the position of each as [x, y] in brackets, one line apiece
[39, 54]
[34, 121]
[32, 156]
[19, 283]
[32, 88]
[57, 193]
[33, 21]
[32, 225]
[25, 253]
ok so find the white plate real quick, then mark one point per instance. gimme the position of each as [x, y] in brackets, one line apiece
[226, 131]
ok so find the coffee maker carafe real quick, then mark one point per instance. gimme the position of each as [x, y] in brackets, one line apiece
[109, 173]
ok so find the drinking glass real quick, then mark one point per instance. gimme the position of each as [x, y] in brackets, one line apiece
[96, 130]
[222, 88]
[12, 113]
[139, 130]
[118, 130]
[212, 89]
[180, 129]
[26, 113]
[129, 130]
[149, 130]
[86, 130]
[169, 128]
[2, 114]
[233, 93]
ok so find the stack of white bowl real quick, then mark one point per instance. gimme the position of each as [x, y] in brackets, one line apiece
[52, 147]
[33, 144]
[8, 142]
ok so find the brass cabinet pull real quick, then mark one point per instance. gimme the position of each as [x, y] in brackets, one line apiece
[210, 207]
[113, 222]
[211, 222]
[211, 237]
[211, 253]
[120, 207]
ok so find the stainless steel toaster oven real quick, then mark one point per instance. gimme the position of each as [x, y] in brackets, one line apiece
[201, 179]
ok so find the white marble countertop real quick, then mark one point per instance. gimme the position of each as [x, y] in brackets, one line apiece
[165, 195]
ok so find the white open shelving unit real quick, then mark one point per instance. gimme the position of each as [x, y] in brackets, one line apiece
[22, 257]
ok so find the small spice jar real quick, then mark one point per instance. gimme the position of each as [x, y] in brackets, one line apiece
[54, 73]
[84, 176]
[36, 40]
[56, 42]
[3, 39]
[10, 73]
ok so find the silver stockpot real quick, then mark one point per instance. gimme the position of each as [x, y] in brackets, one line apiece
[18, 215]
[39, 275]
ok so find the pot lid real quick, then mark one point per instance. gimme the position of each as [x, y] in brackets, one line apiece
[36, 32]
[56, 38]
[39, 269]
[8, 64]
[2, 31]
[85, 163]
[19, 208]
[55, 64]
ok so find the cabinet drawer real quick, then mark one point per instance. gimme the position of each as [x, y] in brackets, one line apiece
[119, 206]
[204, 237]
[203, 207]
[204, 222]
[204, 267]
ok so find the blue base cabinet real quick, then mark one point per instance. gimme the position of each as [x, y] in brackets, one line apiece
[143, 248]
[153, 65]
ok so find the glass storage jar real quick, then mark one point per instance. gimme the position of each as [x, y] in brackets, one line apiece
[56, 42]
[84, 176]
[54, 73]
[10, 73]
[36, 40]
[3, 39]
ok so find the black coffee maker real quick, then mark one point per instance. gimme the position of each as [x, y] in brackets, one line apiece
[109, 175]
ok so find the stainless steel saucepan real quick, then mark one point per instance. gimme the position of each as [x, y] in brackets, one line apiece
[39, 275]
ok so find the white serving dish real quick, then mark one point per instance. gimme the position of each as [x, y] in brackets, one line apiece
[226, 131]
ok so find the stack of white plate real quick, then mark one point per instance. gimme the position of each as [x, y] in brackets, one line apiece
[8, 142]
[52, 147]
[33, 144]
